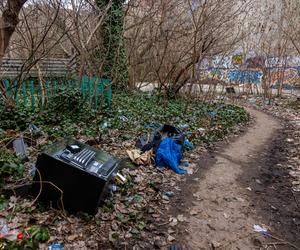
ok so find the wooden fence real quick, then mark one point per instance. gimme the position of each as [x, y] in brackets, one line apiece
[49, 67]
[96, 92]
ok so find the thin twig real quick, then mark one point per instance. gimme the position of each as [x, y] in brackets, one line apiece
[40, 190]
[41, 187]
[163, 224]
[284, 241]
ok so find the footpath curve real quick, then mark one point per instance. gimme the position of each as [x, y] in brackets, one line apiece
[222, 212]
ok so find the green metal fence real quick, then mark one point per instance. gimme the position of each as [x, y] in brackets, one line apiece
[96, 92]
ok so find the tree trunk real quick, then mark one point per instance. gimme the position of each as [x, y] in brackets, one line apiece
[8, 23]
[115, 61]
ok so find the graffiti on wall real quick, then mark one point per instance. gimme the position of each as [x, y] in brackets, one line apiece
[233, 75]
[237, 59]
[288, 77]
[277, 71]
[245, 76]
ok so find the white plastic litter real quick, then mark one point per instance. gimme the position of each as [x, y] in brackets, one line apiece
[259, 229]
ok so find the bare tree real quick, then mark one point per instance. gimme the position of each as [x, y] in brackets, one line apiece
[32, 40]
[288, 24]
[171, 37]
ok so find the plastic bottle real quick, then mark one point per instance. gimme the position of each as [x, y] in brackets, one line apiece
[56, 247]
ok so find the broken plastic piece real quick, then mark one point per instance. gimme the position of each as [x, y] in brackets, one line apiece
[201, 130]
[123, 118]
[12, 235]
[169, 193]
[34, 129]
[20, 148]
[259, 229]
[6, 233]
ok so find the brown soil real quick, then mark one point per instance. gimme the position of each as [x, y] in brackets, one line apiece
[238, 186]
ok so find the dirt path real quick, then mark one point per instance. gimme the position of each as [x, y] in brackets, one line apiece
[222, 212]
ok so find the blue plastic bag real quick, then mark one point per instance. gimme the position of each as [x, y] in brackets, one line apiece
[187, 144]
[168, 155]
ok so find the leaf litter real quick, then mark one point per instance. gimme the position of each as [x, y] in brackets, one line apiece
[132, 215]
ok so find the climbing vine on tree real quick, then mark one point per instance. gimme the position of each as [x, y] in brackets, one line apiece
[113, 53]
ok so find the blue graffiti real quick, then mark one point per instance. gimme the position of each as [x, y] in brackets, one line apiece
[245, 76]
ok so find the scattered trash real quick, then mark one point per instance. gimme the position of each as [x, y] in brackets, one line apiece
[183, 126]
[201, 130]
[153, 126]
[172, 132]
[120, 179]
[142, 141]
[259, 229]
[249, 188]
[146, 144]
[187, 144]
[33, 129]
[212, 115]
[169, 193]
[6, 233]
[112, 188]
[56, 247]
[66, 157]
[123, 118]
[20, 148]
[3, 227]
[139, 158]
[169, 154]
[12, 235]
[104, 125]
[184, 164]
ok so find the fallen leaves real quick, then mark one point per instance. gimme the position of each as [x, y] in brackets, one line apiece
[171, 238]
[135, 215]
[173, 222]
[72, 237]
[181, 218]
